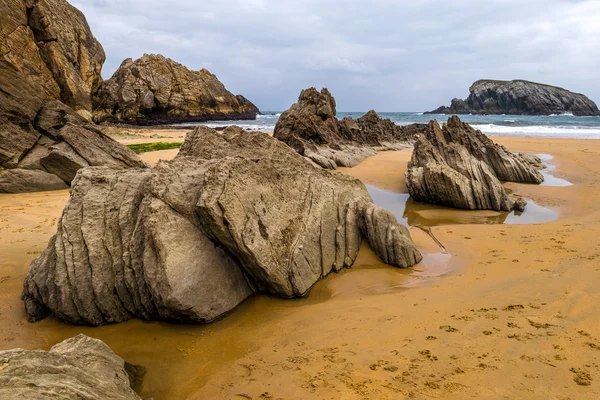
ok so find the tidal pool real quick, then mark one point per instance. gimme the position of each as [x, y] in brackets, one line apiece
[549, 178]
[411, 213]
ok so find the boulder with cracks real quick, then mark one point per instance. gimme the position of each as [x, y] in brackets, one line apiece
[77, 368]
[235, 213]
[50, 65]
[460, 167]
[65, 142]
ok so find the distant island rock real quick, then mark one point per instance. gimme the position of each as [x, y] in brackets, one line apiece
[156, 90]
[519, 97]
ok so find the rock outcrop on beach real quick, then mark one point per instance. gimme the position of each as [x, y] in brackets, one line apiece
[157, 90]
[460, 167]
[311, 128]
[519, 97]
[49, 65]
[77, 368]
[233, 214]
[47, 53]
[65, 142]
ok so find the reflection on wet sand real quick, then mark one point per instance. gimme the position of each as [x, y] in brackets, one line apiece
[549, 178]
[178, 357]
[412, 213]
[181, 359]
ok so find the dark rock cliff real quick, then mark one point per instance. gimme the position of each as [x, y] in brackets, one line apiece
[519, 97]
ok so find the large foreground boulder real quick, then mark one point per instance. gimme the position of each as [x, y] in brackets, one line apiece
[311, 128]
[157, 90]
[460, 167]
[233, 214]
[78, 368]
[519, 97]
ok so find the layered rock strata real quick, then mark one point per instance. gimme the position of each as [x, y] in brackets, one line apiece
[64, 143]
[311, 128]
[50, 64]
[235, 213]
[157, 90]
[460, 167]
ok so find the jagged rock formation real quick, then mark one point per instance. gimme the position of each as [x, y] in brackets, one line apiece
[311, 128]
[47, 55]
[77, 368]
[65, 142]
[233, 214]
[156, 90]
[48, 45]
[519, 97]
[460, 167]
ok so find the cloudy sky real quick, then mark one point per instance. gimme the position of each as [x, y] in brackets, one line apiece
[390, 55]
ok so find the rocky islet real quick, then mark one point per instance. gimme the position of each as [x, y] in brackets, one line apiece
[520, 97]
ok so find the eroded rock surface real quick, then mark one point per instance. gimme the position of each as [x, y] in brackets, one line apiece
[77, 368]
[519, 97]
[157, 90]
[49, 64]
[311, 128]
[48, 45]
[460, 167]
[233, 214]
[66, 142]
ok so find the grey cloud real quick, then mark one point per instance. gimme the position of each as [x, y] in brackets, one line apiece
[382, 54]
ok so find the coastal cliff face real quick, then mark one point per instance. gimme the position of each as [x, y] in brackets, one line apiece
[155, 90]
[47, 48]
[49, 65]
[519, 97]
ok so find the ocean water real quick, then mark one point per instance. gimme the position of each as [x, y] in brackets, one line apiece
[553, 126]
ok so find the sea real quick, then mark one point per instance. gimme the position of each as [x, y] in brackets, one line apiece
[552, 126]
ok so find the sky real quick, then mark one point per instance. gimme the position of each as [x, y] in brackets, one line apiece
[378, 54]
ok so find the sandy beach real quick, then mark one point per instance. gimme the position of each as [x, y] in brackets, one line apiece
[508, 311]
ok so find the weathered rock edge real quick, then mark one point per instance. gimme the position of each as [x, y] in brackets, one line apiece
[154, 90]
[311, 128]
[65, 143]
[77, 368]
[519, 97]
[233, 214]
[460, 167]
[50, 65]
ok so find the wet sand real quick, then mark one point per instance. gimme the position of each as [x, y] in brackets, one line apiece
[510, 312]
[145, 135]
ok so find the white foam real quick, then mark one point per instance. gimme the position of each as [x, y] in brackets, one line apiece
[579, 132]
[247, 127]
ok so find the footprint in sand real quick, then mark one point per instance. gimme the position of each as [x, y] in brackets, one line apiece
[582, 377]
[448, 328]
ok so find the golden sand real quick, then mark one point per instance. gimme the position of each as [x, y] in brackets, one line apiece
[510, 312]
